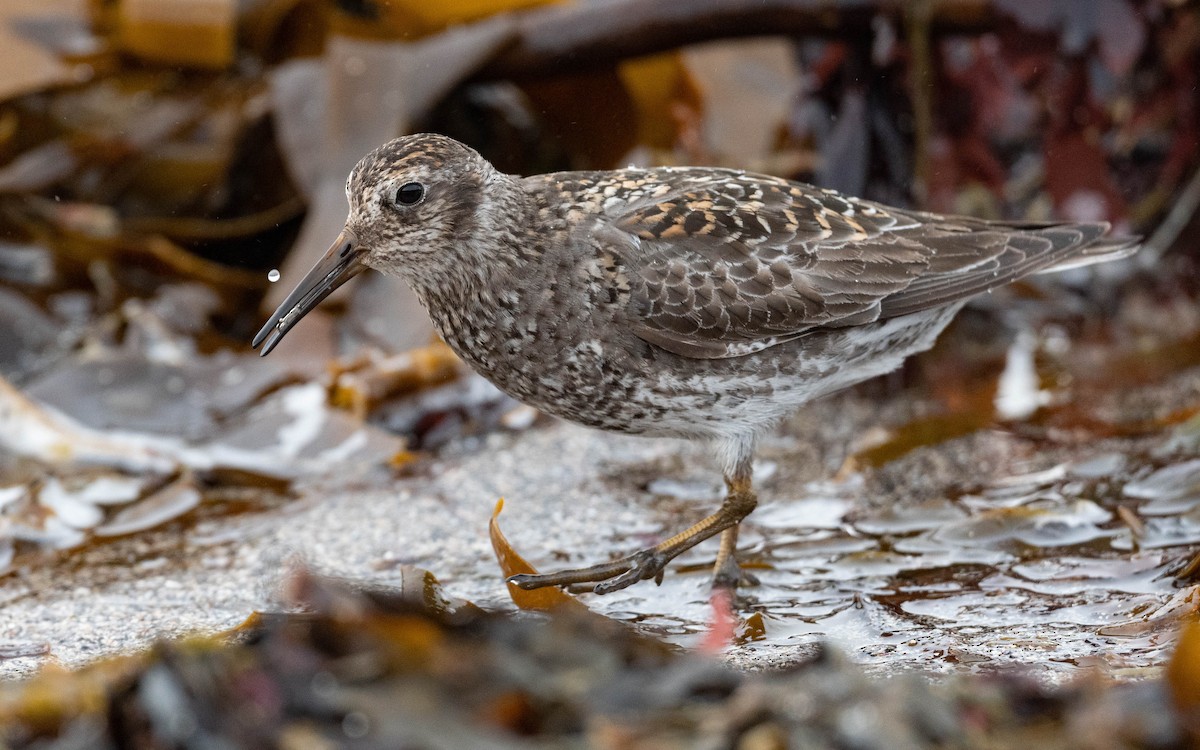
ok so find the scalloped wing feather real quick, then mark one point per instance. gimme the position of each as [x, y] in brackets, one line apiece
[730, 264]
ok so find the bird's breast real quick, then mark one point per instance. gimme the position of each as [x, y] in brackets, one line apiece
[545, 347]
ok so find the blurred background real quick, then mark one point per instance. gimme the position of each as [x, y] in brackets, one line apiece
[160, 160]
[1027, 492]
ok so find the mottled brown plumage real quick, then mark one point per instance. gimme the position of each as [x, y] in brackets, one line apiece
[691, 302]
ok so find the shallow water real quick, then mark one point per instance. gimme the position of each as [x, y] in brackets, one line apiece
[1072, 566]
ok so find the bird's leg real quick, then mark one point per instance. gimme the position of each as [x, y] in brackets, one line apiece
[650, 562]
[726, 572]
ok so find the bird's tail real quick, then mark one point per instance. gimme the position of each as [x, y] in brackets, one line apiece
[1086, 251]
[1028, 248]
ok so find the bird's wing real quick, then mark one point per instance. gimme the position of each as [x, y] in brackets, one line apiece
[732, 263]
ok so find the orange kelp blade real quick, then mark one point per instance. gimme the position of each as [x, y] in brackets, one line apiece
[1183, 677]
[511, 563]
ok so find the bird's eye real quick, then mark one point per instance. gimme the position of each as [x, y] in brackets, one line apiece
[410, 193]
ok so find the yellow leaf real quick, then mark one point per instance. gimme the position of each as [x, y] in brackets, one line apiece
[511, 563]
[415, 18]
[660, 87]
[194, 33]
[1183, 677]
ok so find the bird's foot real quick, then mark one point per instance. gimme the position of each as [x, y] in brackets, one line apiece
[727, 573]
[650, 563]
[728, 576]
[643, 565]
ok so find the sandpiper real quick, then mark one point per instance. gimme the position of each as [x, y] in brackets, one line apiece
[690, 302]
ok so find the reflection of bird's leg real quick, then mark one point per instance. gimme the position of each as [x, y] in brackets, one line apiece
[650, 562]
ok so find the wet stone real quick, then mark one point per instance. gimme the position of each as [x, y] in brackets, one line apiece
[1175, 482]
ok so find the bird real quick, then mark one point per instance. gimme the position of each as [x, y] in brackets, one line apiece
[688, 302]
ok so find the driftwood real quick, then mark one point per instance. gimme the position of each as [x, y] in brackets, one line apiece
[573, 38]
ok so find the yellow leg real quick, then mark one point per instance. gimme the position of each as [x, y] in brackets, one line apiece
[651, 562]
[726, 573]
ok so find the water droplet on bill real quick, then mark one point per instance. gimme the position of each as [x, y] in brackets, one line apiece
[273, 275]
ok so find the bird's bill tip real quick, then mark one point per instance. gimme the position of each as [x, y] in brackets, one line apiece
[340, 263]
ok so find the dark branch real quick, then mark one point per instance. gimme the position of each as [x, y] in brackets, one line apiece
[572, 38]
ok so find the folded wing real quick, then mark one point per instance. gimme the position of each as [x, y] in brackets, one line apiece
[735, 263]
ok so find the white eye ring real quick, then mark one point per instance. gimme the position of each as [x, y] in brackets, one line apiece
[409, 194]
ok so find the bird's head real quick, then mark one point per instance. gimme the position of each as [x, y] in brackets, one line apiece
[412, 201]
[413, 197]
